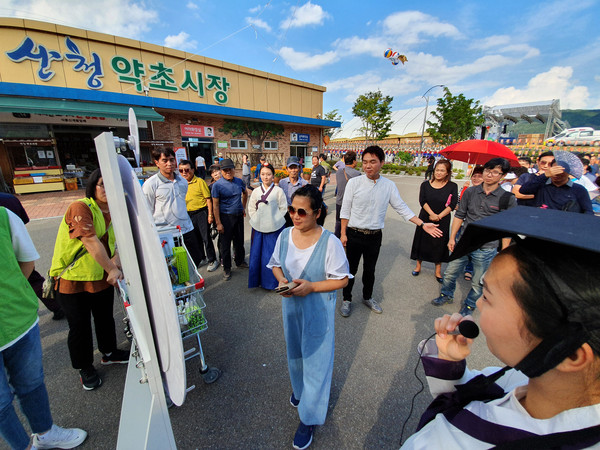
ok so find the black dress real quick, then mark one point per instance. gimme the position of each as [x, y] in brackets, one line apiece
[425, 247]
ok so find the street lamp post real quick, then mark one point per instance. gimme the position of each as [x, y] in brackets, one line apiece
[425, 116]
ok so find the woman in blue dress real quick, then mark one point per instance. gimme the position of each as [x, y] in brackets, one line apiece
[314, 259]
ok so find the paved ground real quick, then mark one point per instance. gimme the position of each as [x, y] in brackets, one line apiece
[373, 380]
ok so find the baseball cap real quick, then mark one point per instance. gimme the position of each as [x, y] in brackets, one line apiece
[293, 161]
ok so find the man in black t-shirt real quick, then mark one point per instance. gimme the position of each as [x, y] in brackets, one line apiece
[318, 177]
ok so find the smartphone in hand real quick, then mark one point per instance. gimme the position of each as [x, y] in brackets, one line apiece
[285, 287]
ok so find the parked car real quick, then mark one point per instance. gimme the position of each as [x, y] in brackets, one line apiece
[588, 137]
[553, 140]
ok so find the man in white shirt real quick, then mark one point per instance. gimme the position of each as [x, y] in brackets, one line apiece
[363, 213]
[166, 193]
[200, 167]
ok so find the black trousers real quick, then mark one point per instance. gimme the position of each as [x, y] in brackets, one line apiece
[338, 221]
[367, 246]
[191, 242]
[77, 309]
[234, 232]
[202, 231]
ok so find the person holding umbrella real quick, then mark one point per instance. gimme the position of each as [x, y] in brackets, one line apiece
[478, 202]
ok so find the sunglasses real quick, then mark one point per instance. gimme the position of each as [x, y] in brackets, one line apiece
[184, 170]
[300, 211]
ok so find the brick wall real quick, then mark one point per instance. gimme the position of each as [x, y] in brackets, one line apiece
[170, 130]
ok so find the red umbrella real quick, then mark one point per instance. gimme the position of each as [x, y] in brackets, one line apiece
[478, 151]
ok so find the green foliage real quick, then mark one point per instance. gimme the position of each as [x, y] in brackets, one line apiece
[257, 132]
[331, 115]
[457, 117]
[375, 111]
[405, 157]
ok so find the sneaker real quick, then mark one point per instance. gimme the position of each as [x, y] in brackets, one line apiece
[304, 435]
[243, 265]
[203, 262]
[371, 303]
[441, 300]
[213, 266]
[346, 308]
[116, 357]
[59, 437]
[227, 275]
[294, 401]
[467, 310]
[89, 379]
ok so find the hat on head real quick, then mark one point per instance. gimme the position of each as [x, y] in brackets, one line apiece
[510, 176]
[293, 161]
[525, 222]
[227, 164]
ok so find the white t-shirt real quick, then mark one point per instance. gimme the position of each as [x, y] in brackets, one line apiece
[200, 162]
[21, 241]
[336, 264]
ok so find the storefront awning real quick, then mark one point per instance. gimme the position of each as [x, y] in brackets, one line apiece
[75, 108]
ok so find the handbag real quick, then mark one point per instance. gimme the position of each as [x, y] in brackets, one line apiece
[49, 286]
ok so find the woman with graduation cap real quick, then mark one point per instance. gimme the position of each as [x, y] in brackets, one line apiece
[540, 313]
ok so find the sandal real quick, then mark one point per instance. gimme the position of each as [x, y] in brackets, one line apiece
[468, 276]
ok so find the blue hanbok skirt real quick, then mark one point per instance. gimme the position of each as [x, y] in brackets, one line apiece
[261, 249]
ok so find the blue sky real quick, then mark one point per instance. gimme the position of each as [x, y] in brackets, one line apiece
[496, 52]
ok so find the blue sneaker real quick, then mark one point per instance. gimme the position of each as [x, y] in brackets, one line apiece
[467, 310]
[441, 300]
[294, 401]
[304, 435]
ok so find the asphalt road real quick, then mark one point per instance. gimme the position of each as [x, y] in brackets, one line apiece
[373, 378]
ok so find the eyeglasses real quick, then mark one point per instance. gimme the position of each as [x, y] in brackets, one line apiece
[184, 170]
[300, 211]
[494, 173]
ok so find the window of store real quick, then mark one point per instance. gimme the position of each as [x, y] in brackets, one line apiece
[300, 151]
[271, 145]
[239, 144]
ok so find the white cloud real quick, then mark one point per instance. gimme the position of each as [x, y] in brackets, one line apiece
[192, 5]
[409, 27]
[553, 84]
[307, 14]
[256, 9]
[304, 61]
[354, 45]
[258, 23]
[180, 41]
[498, 40]
[128, 18]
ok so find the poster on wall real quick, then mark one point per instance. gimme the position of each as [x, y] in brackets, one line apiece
[180, 154]
[196, 131]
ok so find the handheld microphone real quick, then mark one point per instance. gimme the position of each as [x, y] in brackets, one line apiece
[467, 328]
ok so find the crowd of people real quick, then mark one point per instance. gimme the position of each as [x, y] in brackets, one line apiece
[293, 254]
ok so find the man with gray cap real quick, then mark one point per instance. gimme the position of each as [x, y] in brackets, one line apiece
[230, 196]
[292, 183]
[554, 190]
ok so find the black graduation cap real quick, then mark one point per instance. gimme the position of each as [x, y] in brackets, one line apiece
[550, 225]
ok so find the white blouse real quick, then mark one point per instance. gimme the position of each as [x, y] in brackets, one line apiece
[270, 217]
[336, 264]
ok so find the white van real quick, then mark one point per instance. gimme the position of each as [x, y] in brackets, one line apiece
[586, 137]
[555, 139]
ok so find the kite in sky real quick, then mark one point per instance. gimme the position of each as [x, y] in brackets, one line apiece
[394, 57]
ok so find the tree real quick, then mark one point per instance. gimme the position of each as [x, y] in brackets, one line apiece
[333, 115]
[457, 117]
[375, 111]
[257, 132]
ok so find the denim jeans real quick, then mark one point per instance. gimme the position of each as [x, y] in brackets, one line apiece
[21, 373]
[481, 261]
